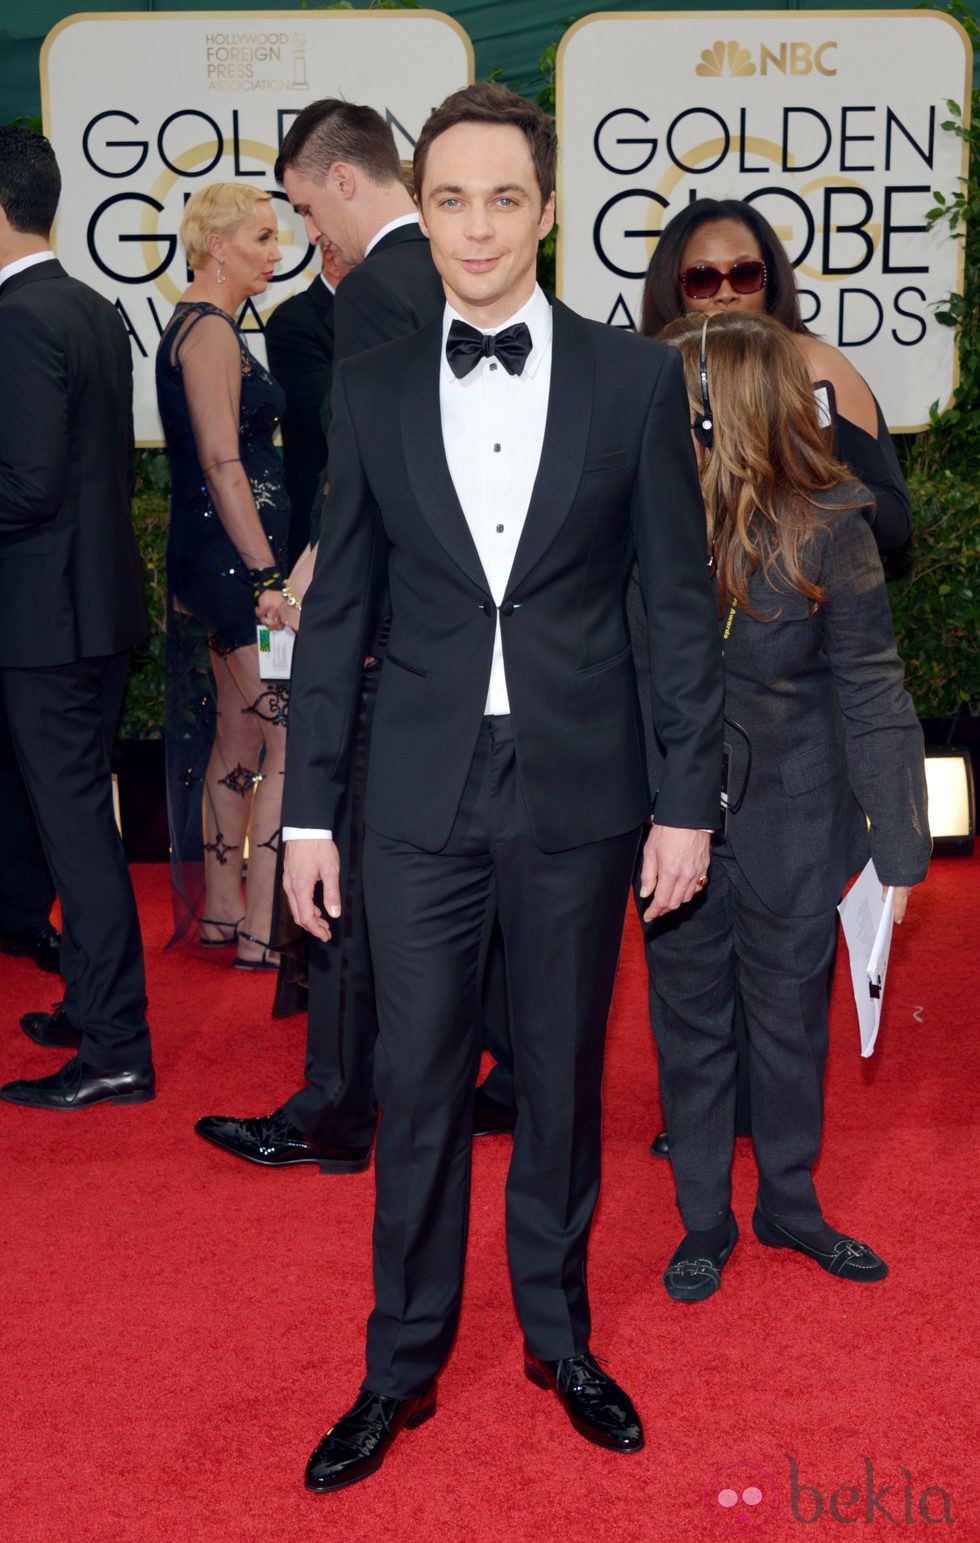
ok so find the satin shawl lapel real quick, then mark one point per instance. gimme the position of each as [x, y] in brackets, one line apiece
[425, 454]
[565, 436]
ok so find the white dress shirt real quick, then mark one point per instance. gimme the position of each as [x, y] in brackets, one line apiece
[396, 224]
[20, 263]
[493, 432]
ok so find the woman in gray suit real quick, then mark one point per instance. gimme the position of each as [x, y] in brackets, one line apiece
[824, 768]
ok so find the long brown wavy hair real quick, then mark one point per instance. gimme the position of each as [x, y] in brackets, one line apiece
[769, 459]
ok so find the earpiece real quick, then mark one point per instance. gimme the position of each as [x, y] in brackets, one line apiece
[704, 431]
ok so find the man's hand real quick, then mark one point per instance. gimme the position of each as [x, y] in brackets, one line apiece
[309, 862]
[673, 862]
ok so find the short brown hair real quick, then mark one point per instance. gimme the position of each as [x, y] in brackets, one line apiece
[331, 130]
[488, 102]
[217, 209]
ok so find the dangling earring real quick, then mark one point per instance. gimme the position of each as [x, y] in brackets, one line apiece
[221, 271]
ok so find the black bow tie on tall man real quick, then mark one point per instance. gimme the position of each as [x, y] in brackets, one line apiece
[465, 347]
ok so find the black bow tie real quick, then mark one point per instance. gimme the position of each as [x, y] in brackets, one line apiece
[465, 347]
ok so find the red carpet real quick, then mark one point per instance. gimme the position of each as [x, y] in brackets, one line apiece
[180, 1328]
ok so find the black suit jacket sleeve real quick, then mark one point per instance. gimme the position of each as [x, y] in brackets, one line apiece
[683, 654]
[34, 433]
[300, 361]
[353, 551]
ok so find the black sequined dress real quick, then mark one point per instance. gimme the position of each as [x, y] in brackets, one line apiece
[210, 600]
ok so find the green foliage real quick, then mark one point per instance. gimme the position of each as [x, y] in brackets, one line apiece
[143, 714]
[935, 583]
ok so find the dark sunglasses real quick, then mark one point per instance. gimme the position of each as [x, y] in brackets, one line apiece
[701, 281]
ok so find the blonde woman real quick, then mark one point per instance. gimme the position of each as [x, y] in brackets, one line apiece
[822, 739]
[225, 557]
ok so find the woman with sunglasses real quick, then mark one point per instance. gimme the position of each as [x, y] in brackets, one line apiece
[825, 767]
[719, 256]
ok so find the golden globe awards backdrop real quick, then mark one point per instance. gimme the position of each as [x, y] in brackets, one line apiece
[828, 121]
[142, 109]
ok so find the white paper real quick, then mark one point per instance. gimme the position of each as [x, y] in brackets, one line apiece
[868, 919]
[275, 652]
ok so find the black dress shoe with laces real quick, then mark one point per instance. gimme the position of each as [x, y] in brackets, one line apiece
[78, 1087]
[597, 1407]
[834, 1251]
[54, 1030]
[694, 1272]
[41, 943]
[273, 1142]
[490, 1116]
[358, 1443]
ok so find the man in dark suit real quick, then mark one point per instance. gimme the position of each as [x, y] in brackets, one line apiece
[70, 575]
[339, 164]
[498, 470]
[26, 891]
[299, 341]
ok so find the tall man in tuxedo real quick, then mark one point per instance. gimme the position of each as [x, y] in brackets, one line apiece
[499, 470]
[70, 582]
[340, 167]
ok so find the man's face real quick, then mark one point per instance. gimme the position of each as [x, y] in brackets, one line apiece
[325, 212]
[481, 209]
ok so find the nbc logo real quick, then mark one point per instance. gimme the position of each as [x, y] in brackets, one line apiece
[725, 59]
[796, 58]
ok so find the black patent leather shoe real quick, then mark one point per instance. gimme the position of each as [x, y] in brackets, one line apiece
[490, 1116]
[597, 1407]
[41, 943]
[273, 1142]
[833, 1251]
[357, 1445]
[660, 1145]
[78, 1087]
[54, 1030]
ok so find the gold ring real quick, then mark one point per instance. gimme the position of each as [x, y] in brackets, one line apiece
[702, 881]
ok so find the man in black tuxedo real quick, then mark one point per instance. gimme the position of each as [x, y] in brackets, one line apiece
[70, 576]
[340, 167]
[300, 342]
[499, 470]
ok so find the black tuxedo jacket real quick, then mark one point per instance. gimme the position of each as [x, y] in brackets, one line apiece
[299, 339]
[393, 292]
[617, 477]
[69, 564]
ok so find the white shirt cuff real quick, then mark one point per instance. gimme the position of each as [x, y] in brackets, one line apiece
[305, 833]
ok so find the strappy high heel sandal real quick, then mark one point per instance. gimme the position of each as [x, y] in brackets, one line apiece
[265, 963]
[224, 942]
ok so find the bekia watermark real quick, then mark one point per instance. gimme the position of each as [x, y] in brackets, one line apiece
[743, 1495]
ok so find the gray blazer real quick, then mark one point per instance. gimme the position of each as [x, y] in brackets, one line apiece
[826, 761]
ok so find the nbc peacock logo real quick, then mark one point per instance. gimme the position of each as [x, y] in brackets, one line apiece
[725, 59]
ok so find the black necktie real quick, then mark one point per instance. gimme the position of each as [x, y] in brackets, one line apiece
[465, 347]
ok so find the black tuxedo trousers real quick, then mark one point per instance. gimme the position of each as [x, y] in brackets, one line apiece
[431, 917]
